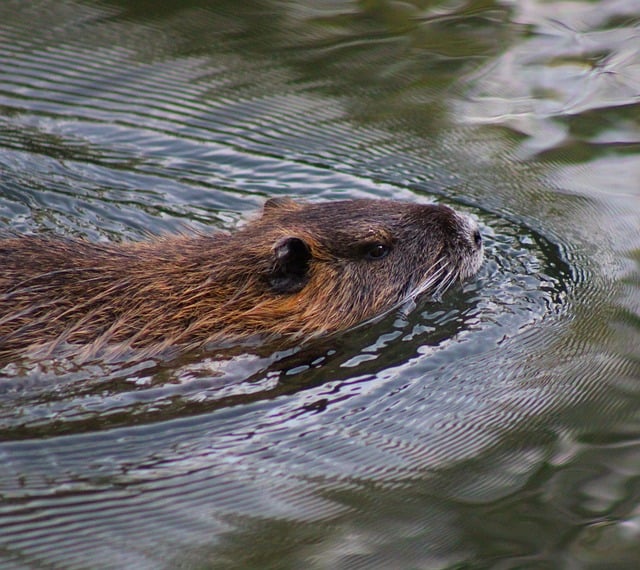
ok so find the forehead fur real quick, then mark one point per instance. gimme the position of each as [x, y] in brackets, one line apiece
[357, 218]
[344, 215]
[340, 228]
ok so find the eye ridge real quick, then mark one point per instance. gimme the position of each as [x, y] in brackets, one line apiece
[375, 251]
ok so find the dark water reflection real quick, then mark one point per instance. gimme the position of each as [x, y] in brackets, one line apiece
[497, 427]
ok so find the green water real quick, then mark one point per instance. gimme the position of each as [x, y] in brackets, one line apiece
[495, 428]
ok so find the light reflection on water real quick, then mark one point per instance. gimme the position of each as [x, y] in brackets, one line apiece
[498, 426]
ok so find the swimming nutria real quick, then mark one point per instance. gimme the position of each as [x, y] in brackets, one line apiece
[300, 270]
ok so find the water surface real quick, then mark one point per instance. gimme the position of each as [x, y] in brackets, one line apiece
[497, 427]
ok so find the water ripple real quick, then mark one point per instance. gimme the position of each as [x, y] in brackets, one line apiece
[133, 128]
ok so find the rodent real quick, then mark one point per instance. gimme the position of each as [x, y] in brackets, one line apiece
[297, 271]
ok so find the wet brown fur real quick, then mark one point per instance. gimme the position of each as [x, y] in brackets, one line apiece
[297, 271]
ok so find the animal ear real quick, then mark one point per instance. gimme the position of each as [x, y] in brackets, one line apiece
[280, 203]
[290, 270]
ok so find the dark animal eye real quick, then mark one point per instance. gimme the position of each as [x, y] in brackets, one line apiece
[376, 251]
[477, 238]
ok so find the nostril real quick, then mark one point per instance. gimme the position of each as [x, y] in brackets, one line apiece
[477, 238]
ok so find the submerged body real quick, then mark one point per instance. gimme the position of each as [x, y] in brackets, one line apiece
[298, 271]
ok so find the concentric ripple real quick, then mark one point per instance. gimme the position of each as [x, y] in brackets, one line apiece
[214, 437]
